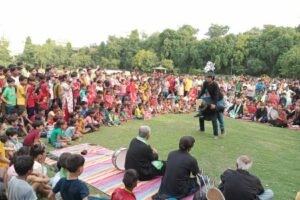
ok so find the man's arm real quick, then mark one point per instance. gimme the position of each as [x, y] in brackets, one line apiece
[204, 86]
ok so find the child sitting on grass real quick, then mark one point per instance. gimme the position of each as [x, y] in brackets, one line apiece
[57, 140]
[18, 188]
[71, 131]
[33, 136]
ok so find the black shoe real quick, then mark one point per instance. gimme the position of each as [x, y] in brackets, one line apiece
[201, 130]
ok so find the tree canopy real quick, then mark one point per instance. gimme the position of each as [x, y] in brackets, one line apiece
[271, 50]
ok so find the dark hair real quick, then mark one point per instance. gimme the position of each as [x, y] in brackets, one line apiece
[23, 151]
[55, 107]
[31, 69]
[72, 122]
[186, 143]
[12, 67]
[59, 123]
[37, 123]
[37, 150]
[10, 80]
[74, 162]
[31, 79]
[56, 118]
[22, 78]
[21, 111]
[62, 161]
[130, 178]
[74, 74]
[3, 138]
[19, 63]
[11, 132]
[11, 119]
[23, 165]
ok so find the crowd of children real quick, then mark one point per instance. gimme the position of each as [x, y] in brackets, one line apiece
[63, 106]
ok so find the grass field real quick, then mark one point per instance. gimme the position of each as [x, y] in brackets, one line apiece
[275, 151]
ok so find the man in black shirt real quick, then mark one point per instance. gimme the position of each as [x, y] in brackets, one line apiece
[177, 182]
[214, 97]
[144, 159]
[239, 184]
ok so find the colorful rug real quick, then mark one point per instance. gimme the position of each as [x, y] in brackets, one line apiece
[100, 173]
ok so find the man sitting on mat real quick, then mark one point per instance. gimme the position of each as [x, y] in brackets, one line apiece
[143, 158]
[177, 182]
[240, 184]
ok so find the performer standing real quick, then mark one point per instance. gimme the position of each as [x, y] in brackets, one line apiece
[214, 97]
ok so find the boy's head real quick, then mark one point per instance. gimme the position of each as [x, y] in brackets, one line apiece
[3, 138]
[11, 120]
[38, 152]
[11, 82]
[62, 161]
[12, 133]
[23, 165]
[38, 125]
[130, 179]
[75, 164]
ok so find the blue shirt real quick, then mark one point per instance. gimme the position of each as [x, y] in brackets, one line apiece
[71, 189]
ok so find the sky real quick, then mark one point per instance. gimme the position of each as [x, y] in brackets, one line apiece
[86, 22]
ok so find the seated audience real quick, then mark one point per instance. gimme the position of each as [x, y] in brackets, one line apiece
[142, 157]
[18, 187]
[71, 187]
[239, 184]
[236, 110]
[176, 182]
[33, 136]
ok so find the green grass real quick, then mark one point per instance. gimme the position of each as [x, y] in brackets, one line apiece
[275, 151]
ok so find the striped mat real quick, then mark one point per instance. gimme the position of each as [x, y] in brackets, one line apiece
[100, 173]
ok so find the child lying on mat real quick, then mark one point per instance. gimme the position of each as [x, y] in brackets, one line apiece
[130, 181]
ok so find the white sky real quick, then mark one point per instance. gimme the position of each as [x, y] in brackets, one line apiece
[85, 22]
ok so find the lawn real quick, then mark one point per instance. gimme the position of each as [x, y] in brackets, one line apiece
[275, 151]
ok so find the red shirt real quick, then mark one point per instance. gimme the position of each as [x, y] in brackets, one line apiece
[121, 194]
[76, 89]
[29, 139]
[251, 109]
[30, 97]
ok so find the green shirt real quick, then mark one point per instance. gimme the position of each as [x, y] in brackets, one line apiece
[10, 95]
[54, 135]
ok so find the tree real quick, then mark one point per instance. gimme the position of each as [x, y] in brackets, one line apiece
[109, 63]
[5, 58]
[144, 60]
[166, 63]
[29, 52]
[289, 63]
[216, 30]
[81, 59]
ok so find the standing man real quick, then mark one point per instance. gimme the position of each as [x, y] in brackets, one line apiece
[214, 97]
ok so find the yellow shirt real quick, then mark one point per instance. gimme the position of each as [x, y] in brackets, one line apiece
[139, 112]
[21, 95]
[188, 85]
[2, 153]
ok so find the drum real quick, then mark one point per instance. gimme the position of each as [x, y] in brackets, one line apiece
[274, 114]
[118, 158]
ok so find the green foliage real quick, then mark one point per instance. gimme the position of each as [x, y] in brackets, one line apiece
[168, 64]
[5, 58]
[289, 63]
[254, 52]
[216, 30]
[144, 60]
